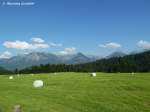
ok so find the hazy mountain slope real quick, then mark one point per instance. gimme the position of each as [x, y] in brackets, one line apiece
[78, 58]
[23, 61]
[116, 54]
[37, 58]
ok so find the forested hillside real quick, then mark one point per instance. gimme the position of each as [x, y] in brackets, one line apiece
[4, 71]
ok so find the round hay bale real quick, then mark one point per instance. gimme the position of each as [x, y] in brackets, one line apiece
[11, 77]
[132, 73]
[93, 74]
[38, 83]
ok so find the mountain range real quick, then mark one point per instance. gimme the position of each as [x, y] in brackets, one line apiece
[37, 58]
[139, 62]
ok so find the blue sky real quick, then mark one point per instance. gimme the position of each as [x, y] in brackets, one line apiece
[90, 26]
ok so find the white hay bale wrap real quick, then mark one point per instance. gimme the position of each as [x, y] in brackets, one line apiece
[11, 77]
[93, 74]
[38, 83]
[132, 73]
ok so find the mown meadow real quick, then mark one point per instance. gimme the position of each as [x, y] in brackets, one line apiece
[77, 92]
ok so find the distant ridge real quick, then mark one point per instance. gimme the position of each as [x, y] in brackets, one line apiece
[37, 58]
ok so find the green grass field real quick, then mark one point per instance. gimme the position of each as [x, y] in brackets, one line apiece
[77, 92]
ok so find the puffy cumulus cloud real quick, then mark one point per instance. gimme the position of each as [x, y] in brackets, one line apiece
[35, 43]
[5, 55]
[67, 51]
[55, 45]
[17, 45]
[143, 44]
[37, 40]
[110, 45]
[23, 45]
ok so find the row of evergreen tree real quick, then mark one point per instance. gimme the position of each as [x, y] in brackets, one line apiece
[130, 63]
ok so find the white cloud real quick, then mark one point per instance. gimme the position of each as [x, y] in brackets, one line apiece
[110, 45]
[17, 45]
[37, 40]
[143, 44]
[55, 45]
[5, 55]
[23, 45]
[67, 51]
[36, 43]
